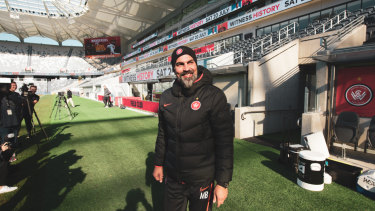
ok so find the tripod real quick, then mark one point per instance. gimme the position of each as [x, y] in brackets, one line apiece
[60, 99]
[31, 112]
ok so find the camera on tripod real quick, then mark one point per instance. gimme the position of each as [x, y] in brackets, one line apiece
[25, 89]
[61, 101]
[61, 94]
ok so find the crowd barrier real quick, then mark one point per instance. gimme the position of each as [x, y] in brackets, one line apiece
[141, 104]
[100, 98]
[135, 102]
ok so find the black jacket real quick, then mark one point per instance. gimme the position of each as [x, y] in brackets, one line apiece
[195, 137]
[69, 94]
[10, 110]
[31, 98]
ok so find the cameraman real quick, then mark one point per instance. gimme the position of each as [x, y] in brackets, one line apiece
[28, 109]
[16, 98]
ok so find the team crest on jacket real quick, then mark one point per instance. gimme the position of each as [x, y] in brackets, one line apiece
[195, 105]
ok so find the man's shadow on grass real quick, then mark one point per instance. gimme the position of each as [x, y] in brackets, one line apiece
[274, 164]
[133, 198]
[49, 178]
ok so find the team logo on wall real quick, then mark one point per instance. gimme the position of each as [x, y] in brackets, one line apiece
[195, 105]
[358, 95]
[179, 51]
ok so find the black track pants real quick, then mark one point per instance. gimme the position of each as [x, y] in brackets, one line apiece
[178, 195]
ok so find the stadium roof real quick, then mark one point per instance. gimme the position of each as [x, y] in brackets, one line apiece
[78, 19]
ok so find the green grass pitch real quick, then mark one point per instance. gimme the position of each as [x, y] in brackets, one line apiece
[102, 160]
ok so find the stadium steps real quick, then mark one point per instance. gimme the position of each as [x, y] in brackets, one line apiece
[68, 57]
[340, 23]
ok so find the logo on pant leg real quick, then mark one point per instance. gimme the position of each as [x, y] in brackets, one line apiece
[204, 195]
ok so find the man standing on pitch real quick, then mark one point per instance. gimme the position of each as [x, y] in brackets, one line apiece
[106, 97]
[69, 95]
[194, 146]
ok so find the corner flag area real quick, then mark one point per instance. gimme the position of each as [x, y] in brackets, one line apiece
[102, 159]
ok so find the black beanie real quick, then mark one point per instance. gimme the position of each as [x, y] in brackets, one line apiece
[182, 50]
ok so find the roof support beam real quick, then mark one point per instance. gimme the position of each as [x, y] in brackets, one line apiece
[117, 29]
[4, 29]
[70, 34]
[118, 13]
[160, 4]
[93, 30]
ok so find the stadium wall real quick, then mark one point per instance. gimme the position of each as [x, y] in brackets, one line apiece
[275, 94]
[270, 91]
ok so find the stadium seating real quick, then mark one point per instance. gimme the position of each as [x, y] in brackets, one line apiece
[255, 48]
[346, 129]
[370, 140]
[15, 57]
[101, 64]
[61, 84]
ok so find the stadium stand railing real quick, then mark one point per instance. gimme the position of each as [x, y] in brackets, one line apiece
[256, 48]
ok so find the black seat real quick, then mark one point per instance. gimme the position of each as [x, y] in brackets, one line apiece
[346, 129]
[364, 13]
[346, 21]
[370, 9]
[370, 142]
[352, 16]
[357, 12]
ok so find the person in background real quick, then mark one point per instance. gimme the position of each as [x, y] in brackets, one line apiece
[69, 96]
[28, 110]
[8, 120]
[15, 101]
[106, 97]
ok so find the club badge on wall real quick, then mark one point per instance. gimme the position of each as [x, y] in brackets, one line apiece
[358, 95]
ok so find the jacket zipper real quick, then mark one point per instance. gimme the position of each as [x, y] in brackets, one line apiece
[178, 127]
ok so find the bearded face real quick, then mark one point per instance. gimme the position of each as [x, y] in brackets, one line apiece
[186, 70]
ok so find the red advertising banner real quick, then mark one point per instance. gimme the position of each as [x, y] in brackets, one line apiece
[100, 98]
[102, 47]
[165, 48]
[204, 49]
[118, 100]
[222, 27]
[141, 104]
[125, 70]
[355, 91]
[246, 2]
